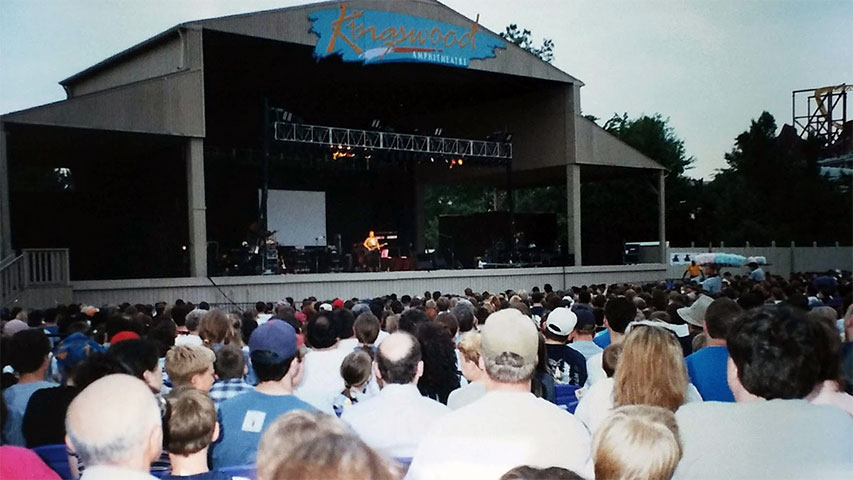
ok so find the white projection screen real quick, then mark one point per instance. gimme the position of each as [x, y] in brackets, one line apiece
[298, 216]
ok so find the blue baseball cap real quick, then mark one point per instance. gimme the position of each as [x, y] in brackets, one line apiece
[274, 336]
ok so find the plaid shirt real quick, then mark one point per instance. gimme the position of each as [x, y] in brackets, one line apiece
[224, 389]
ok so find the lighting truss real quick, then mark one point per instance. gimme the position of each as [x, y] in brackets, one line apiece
[374, 140]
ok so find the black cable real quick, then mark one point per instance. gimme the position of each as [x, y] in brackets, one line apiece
[223, 293]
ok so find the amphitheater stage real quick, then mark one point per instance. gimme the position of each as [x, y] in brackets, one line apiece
[250, 289]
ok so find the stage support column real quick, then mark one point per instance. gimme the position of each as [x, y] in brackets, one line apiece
[5, 222]
[573, 209]
[420, 218]
[196, 206]
[662, 215]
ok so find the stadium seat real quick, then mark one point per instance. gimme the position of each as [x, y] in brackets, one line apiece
[56, 458]
[241, 472]
[566, 398]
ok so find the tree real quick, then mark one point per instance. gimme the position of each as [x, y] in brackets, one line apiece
[521, 38]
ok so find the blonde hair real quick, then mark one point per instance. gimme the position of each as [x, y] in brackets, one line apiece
[191, 422]
[637, 441]
[302, 444]
[651, 370]
[469, 346]
[218, 327]
[186, 361]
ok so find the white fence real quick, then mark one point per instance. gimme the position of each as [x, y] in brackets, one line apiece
[35, 271]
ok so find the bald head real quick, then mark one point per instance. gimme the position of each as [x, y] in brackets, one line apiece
[398, 358]
[115, 421]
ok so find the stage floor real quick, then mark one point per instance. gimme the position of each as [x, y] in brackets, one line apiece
[250, 289]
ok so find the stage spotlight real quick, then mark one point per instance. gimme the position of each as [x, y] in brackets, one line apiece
[460, 162]
[432, 159]
[438, 131]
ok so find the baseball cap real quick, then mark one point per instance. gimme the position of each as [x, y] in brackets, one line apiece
[561, 321]
[695, 314]
[74, 349]
[123, 335]
[338, 303]
[510, 331]
[274, 336]
[325, 307]
[585, 318]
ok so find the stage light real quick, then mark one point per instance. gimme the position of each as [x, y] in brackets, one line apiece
[438, 131]
[460, 162]
[432, 159]
[376, 124]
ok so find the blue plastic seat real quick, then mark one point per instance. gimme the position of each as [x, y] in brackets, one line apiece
[566, 398]
[56, 458]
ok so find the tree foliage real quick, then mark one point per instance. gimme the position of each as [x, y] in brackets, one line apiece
[521, 38]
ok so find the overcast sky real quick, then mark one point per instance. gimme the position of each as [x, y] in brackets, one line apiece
[709, 66]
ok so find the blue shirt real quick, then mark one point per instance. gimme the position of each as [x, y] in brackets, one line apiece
[712, 284]
[242, 421]
[757, 275]
[17, 397]
[707, 371]
[603, 339]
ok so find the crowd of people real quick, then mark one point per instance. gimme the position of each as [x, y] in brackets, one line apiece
[649, 381]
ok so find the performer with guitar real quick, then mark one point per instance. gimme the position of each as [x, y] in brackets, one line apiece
[373, 247]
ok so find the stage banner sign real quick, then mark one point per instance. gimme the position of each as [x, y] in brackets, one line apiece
[371, 36]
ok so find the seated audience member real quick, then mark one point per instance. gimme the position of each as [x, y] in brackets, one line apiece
[24, 464]
[464, 313]
[315, 445]
[651, 372]
[230, 368]
[583, 334]
[191, 336]
[191, 366]
[139, 358]
[356, 371]
[526, 472]
[438, 351]
[366, 329]
[344, 321]
[828, 389]
[321, 378]
[188, 431]
[514, 426]
[44, 419]
[469, 348]
[243, 418]
[637, 441]
[610, 358]
[618, 313]
[398, 369]
[707, 367]
[769, 432]
[566, 364]
[114, 427]
[30, 359]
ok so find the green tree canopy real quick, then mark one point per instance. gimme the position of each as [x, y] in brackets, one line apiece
[521, 37]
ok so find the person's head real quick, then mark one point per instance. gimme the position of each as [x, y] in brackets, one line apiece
[559, 324]
[464, 313]
[610, 358]
[216, 327]
[720, 316]
[509, 347]
[115, 421]
[469, 347]
[585, 327]
[190, 425]
[274, 353]
[139, 358]
[344, 319]
[448, 321]
[526, 472]
[302, 444]
[618, 313]
[193, 319]
[30, 349]
[356, 368]
[230, 363]
[192, 366]
[366, 328]
[320, 331]
[773, 354]
[411, 318]
[398, 359]
[651, 369]
[637, 441]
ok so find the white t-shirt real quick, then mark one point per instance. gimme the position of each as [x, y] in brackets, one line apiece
[466, 394]
[321, 378]
[191, 339]
[501, 431]
[396, 420]
[594, 370]
[263, 318]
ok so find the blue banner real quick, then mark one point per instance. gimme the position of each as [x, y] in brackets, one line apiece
[372, 36]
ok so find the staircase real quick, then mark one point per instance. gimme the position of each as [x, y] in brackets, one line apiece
[37, 278]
